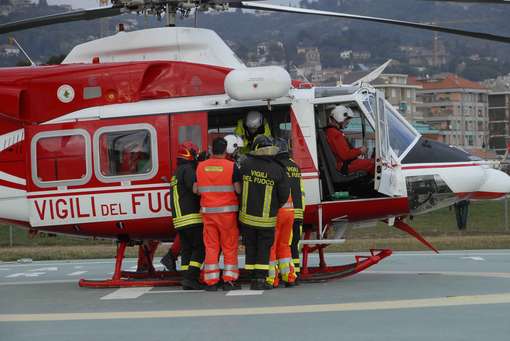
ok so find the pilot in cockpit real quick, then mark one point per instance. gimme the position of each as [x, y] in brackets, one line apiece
[347, 157]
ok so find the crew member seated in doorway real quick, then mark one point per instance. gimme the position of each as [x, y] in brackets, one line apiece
[249, 127]
[339, 118]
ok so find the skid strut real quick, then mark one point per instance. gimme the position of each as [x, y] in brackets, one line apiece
[124, 279]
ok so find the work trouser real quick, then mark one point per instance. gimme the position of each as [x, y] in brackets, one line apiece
[367, 165]
[146, 253]
[175, 249]
[258, 242]
[297, 229]
[221, 232]
[192, 250]
[280, 261]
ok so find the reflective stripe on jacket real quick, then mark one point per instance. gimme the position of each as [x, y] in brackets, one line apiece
[214, 181]
[185, 204]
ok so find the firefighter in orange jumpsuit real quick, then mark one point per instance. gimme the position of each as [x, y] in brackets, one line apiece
[218, 183]
[280, 259]
[339, 118]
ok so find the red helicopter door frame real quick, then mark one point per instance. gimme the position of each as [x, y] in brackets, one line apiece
[187, 127]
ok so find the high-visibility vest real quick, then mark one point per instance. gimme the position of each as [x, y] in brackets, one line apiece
[214, 180]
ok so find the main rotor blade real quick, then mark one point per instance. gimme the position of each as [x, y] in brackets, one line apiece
[477, 1]
[86, 14]
[286, 9]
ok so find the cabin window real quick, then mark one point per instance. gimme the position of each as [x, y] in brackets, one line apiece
[124, 153]
[191, 133]
[61, 158]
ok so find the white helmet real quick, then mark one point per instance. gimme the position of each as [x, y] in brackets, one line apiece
[340, 113]
[233, 143]
[253, 121]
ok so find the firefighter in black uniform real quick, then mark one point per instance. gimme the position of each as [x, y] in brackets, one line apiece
[298, 198]
[186, 216]
[265, 189]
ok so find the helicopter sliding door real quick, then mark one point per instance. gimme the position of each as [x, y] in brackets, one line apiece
[388, 176]
[187, 127]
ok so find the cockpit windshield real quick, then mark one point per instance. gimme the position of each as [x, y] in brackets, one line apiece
[401, 136]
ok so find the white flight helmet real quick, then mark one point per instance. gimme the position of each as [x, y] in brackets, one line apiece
[253, 121]
[233, 143]
[340, 113]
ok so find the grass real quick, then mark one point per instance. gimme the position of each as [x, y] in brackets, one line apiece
[486, 230]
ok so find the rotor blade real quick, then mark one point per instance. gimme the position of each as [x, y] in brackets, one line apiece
[286, 9]
[86, 14]
[476, 1]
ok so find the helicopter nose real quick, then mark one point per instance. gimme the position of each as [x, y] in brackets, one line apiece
[496, 185]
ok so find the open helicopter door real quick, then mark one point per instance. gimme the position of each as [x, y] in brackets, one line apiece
[388, 176]
[187, 127]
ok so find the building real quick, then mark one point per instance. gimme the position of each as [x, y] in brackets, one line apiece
[400, 94]
[455, 106]
[311, 66]
[499, 113]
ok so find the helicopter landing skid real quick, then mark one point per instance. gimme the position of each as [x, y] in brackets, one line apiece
[153, 278]
[126, 279]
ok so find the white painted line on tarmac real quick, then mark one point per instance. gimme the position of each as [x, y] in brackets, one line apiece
[474, 258]
[64, 263]
[175, 291]
[26, 274]
[29, 282]
[53, 268]
[444, 273]
[77, 273]
[454, 301]
[126, 293]
[245, 293]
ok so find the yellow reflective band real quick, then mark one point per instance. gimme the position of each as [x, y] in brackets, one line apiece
[257, 221]
[195, 264]
[249, 266]
[297, 269]
[187, 220]
[213, 169]
[295, 260]
[267, 201]
[261, 266]
[177, 206]
[184, 267]
[246, 185]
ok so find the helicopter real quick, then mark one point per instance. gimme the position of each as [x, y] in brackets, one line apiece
[86, 147]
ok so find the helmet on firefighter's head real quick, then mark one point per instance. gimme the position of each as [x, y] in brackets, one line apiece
[253, 121]
[262, 141]
[187, 151]
[282, 144]
[233, 143]
[340, 113]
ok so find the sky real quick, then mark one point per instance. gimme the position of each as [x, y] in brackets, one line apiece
[94, 3]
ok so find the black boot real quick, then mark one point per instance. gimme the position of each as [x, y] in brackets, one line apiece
[191, 284]
[260, 284]
[169, 262]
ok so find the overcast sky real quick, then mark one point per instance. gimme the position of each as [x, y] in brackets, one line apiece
[94, 3]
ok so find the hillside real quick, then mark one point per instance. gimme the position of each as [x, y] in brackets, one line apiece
[245, 30]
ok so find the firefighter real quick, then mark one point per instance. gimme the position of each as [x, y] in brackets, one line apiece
[281, 257]
[186, 216]
[169, 260]
[265, 189]
[248, 128]
[346, 157]
[218, 183]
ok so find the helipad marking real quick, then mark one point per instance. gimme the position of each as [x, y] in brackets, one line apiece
[275, 310]
[126, 293]
[77, 273]
[473, 258]
[444, 273]
[175, 291]
[245, 293]
[25, 274]
[53, 268]
[58, 281]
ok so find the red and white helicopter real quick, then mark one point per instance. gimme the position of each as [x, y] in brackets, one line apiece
[86, 146]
